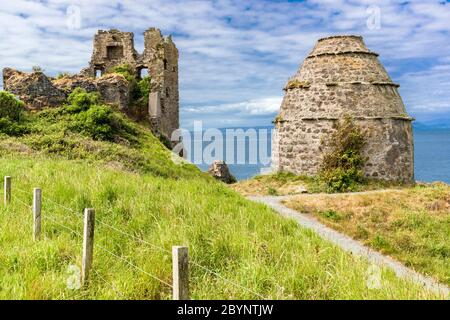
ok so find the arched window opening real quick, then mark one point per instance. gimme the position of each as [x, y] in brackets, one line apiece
[143, 73]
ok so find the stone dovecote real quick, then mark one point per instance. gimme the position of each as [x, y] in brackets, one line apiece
[340, 77]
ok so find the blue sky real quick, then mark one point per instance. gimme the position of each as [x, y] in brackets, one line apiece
[236, 56]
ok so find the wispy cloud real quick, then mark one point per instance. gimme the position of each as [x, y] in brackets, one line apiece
[235, 56]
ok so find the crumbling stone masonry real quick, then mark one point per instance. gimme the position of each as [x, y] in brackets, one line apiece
[342, 77]
[112, 48]
[160, 59]
[35, 89]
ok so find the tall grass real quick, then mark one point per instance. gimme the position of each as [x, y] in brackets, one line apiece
[246, 243]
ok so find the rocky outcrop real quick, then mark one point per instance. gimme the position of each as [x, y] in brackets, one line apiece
[220, 171]
[39, 91]
[35, 89]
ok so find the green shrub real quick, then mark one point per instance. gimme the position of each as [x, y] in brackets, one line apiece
[85, 115]
[10, 107]
[63, 74]
[139, 89]
[165, 141]
[11, 114]
[342, 165]
[81, 100]
[126, 71]
[331, 215]
[144, 90]
[12, 128]
[98, 122]
[272, 191]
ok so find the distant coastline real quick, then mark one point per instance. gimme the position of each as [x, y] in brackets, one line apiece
[431, 154]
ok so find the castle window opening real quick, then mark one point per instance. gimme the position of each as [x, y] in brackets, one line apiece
[143, 73]
[114, 52]
[167, 92]
[165, 64]
[98, 73]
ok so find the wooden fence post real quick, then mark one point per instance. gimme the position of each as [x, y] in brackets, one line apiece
[88, 244]
[37, 208]
[180, 264]
[7, 190]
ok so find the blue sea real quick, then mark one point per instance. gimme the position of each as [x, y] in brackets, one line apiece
[431, 152]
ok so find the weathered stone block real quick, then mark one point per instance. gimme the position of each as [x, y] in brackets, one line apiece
[35, 89]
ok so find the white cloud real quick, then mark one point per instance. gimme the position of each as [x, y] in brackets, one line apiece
[428, 90]
[257, 112]
[236, 54]
[263, 106]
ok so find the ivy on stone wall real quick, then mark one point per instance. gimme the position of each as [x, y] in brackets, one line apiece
[139, 88]
[342, 164]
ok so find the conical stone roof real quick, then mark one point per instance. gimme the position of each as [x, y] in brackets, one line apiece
[341, 76]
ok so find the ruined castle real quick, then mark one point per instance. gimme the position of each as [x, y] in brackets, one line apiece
[111, 49]
[341, 77]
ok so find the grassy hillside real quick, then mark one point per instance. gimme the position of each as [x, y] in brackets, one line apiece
[85, 130]
[86, 155]
[242, 241]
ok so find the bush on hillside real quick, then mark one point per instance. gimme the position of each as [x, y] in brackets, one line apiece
[11, 114]
[342, 164]
[98, 122]
[10, 107]
[11, 128]
[95, 120]
[81, 100]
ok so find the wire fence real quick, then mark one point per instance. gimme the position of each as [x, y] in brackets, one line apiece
[174, 286]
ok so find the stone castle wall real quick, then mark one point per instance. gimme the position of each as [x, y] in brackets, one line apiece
[160, 57]
[339, 78]
[35, 89]
[110, 49]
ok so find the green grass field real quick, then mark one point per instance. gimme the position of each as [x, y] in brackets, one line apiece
[243, 242]
[84, 155]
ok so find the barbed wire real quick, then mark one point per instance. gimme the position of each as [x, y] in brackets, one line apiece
[22, 202]
[226, 280]
[74, 212]
[108, 283]
[77, 234]
[194, 263]
[49, 217]
[133, 236]
[20, 190]
[133, 265]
